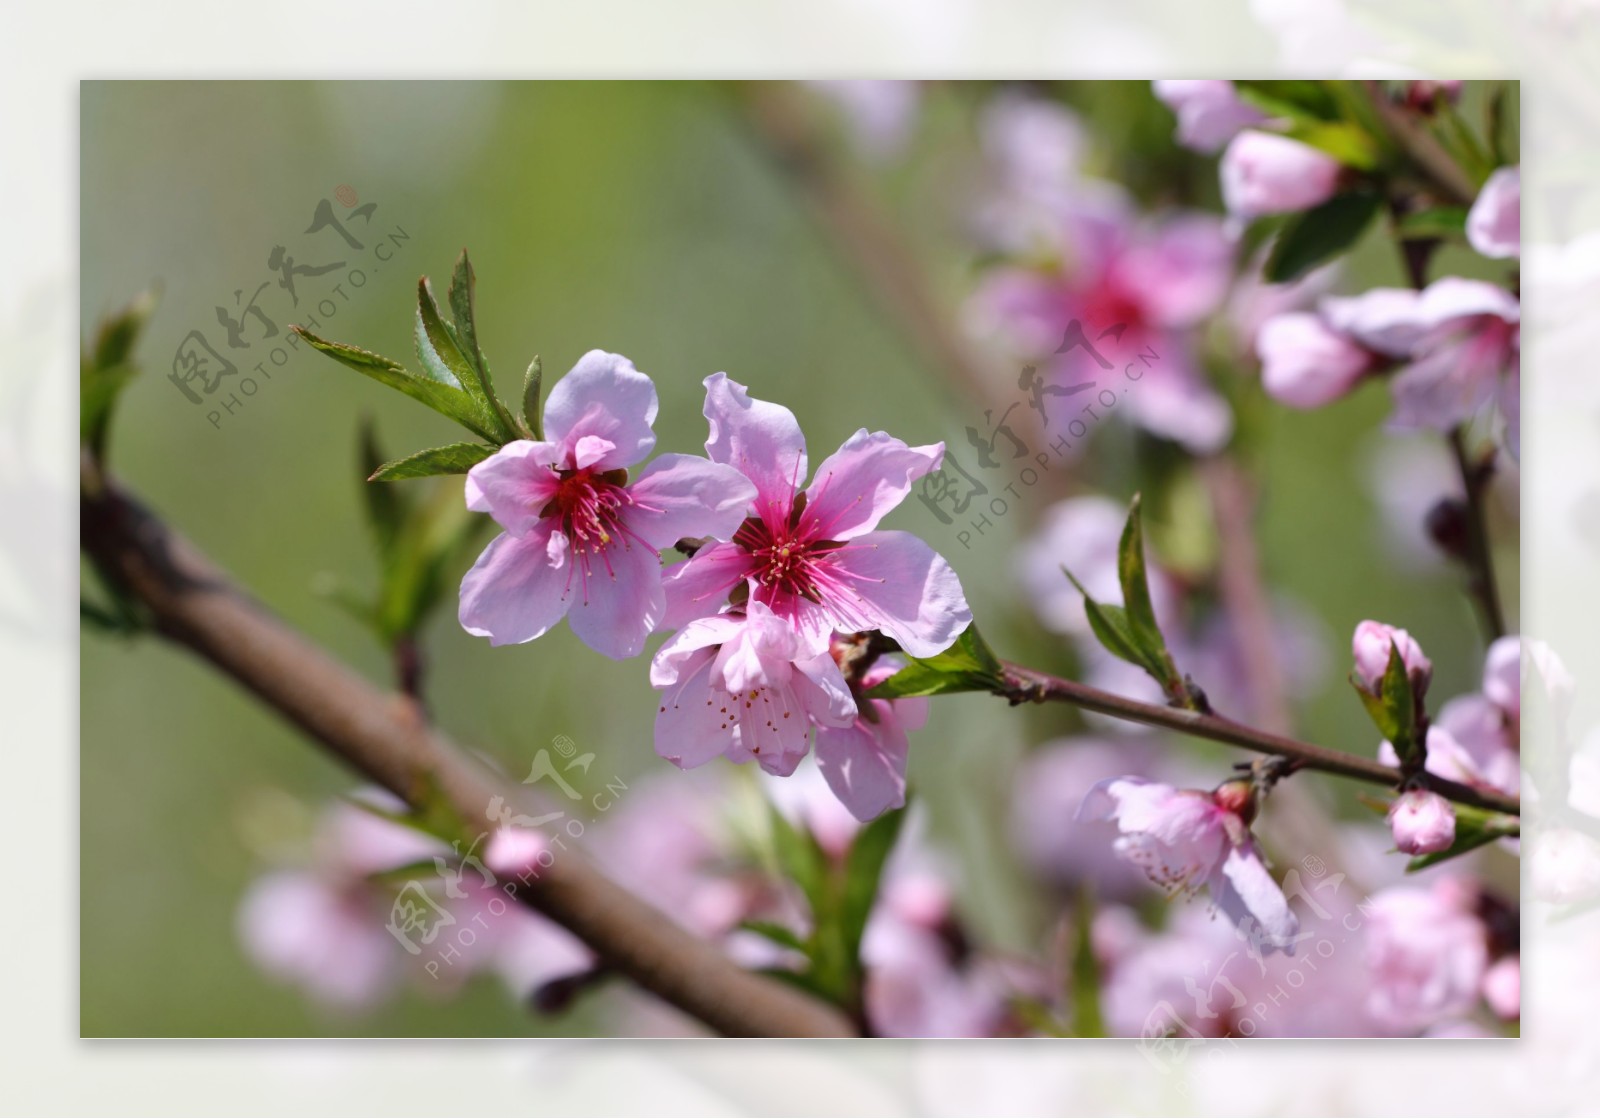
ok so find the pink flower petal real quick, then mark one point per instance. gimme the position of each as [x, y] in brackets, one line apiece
[1246, 893]
[865, 765]
[863, 480]
[513, 484]
[603, 396]
[760, 439]
[1181, 273]
[1494, 224]
[893, 581]
[692, 725]
[700, 585]
[621, 603]
[514, 593]
[680, 496]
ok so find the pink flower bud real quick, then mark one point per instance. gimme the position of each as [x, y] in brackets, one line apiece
[513, 852]
[1422, 822]
[1502, 987]
[1263, 173]
[1494, 224]
[1370, 647]
[1305, 363]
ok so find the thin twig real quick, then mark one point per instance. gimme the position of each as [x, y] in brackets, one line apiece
[1479, 558]
[191, 603]
[1024, 685]
[1420, 147]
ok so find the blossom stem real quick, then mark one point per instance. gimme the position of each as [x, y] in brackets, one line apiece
[1022, 685]
[192, 604]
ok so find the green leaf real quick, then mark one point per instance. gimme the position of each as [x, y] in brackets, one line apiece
[969, 665]
[780, 935]
[532, 384]
[1084, 987]
[1475, 827]
[453, 458]
[863, 870]
[456, 342]
[1112, 628]
[433, 537]
[462, 285]
[448, 401]
[1135, 584]
[385, 505]
[1319, 234]
[1393, 709]
[1347, 142]
[106, 368]
[1440, 221]
[1295, 100]
[800, 859]
[441, 357]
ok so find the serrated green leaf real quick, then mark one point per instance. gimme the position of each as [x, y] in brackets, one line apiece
[1320, 234]
[1475, 827]
[453, 458]
[1134, 581]
[1111, 627]
[463, 333]
[1347, 142]
[1393, 709]
[453, 403]
[532, 386]
[969, 665]
[437, 349]
[1440, 221]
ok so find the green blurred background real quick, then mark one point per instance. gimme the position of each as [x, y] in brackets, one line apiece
[639, 218]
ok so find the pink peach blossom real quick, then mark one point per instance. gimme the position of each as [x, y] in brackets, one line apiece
[745, 686]
[1184, 839]
[815, 557]
[580, 540]
[1210, 113]
[1423, 822]
[1306, 364]
[865, 762]
[1427, 953]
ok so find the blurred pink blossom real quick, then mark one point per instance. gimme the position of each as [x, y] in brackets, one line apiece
[1210, 113]
[1423, 822]
[1305, 363]
[1184, 839]
[1494, 224]
[1263, 173]
[1428, 953]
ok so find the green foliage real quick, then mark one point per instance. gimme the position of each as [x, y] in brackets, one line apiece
[1130, 632]
[453, 458]
[105, 369]
[1320, 234]
[1394, 711]
[532, 386]
[840, 895]
[1084, 976]
[969, 665]
[455, 379]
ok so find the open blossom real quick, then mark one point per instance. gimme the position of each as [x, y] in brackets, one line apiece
[1123, 304]
[1494, 224]
[1263, 173]
[1423, 822]
[815, 557]
[865, 762]
[1210, 113]
[1457, 344]
[1305, 363]
[1427, 952]
[1184, 839]
[745, 686]
[1371, 646]
[581, 541]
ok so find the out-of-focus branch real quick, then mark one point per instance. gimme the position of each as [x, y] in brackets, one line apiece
[191, 603]
[1429, 156]
[1023, 685]
[1479, 559]
[861, 233]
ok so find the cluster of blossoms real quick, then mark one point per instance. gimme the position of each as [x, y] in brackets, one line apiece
[779, 571]
[1451, 350]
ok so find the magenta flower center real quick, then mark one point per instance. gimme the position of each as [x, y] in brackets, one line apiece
[589, 506]
[784, 560]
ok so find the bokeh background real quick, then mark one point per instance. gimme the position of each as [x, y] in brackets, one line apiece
[641, 218]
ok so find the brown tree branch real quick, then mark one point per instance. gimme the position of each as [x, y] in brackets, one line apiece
[1024, 685]
[191, 603]
[1478, 557]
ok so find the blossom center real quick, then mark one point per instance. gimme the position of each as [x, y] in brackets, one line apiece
[783, 560]
[588, 504]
